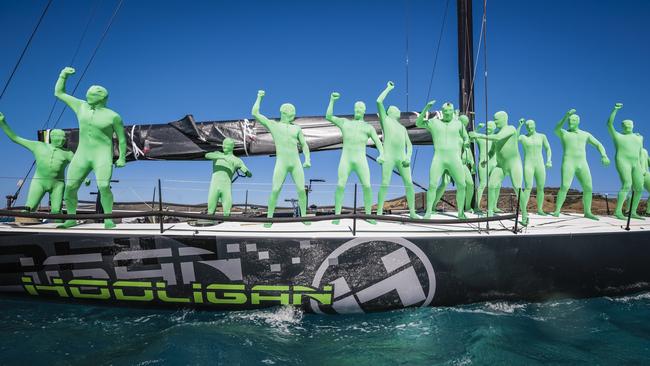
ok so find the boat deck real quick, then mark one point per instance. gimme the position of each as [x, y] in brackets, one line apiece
[539, 225]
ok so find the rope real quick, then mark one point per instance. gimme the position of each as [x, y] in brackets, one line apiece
[22, 54]
[92, 57]
[435, 59]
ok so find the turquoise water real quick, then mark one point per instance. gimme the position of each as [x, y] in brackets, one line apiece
[591, 331]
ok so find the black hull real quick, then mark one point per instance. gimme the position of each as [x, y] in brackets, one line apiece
[328, 275]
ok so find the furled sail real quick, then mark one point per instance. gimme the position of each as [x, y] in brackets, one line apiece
[186, 139]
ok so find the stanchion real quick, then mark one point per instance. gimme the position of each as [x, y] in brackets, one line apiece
[160, 218]
[517, 212]
[246, 203]
[354, 220]
[607, 203]
[629, 213]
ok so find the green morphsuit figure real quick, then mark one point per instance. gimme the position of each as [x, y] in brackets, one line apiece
[487, 161]
[397, 152]
[356, 134]
[468, 167]
[629, 146]
[645, 162]
[51, 160]
[97, 125]
[534, 167]
[574, 161]
[506, 148]
[224, 166]
[449, 137]
[286, 137]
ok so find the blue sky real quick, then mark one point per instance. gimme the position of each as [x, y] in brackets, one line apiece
[164, 59]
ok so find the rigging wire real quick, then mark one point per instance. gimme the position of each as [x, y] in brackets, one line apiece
[92, 57]
[101, 40]
[22, 54]
[435, 59]
[407, 53]
[74, 57]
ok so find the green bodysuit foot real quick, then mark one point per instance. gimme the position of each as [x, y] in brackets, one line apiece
[371, 221]
[590, 216]
[336, 222]
[109, 224]
[68, 224]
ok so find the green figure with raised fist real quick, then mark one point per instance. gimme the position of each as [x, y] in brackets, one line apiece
[448, 136]
[286, 137]
[487, 161]
[51, 160]
[356, 134]
[97, 125]
[397, 152]
[224, 165]
[468, 167]
[574, 161]
[508, 159]
[629, 146]
[534, 167]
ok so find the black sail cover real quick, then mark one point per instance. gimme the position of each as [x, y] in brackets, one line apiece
[187, 139]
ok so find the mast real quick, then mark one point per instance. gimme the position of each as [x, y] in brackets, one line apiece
[465, 59]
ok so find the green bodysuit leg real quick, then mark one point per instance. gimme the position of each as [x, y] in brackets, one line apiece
[50, 160]
[629, 148]
[487, 161]
[97, 125]
[286, 137]
[574, 161]
[356, 134]
[397, 152]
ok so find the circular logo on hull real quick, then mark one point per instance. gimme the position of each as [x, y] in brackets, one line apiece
[375, 274]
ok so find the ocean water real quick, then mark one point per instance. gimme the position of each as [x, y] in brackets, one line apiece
[572, 332]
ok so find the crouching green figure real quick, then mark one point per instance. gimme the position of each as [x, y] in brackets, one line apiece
[353, 158]
[645, 162]
[97, 124]
[574, 161]
[286, 137]
[629, 148]
[534, 168]
[224, 166]
[51, 160]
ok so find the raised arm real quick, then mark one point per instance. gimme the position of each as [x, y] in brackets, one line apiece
[305, 149]
[610, 120]
[118, 128]
[420, 121]
[560, 124]
[547, 147]
[380, 103]
[601, 149]
[256, 110]
[503, 134]
[59, 90]
[29, 144]
[215, 155]
[521, 123]
[329, 115]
